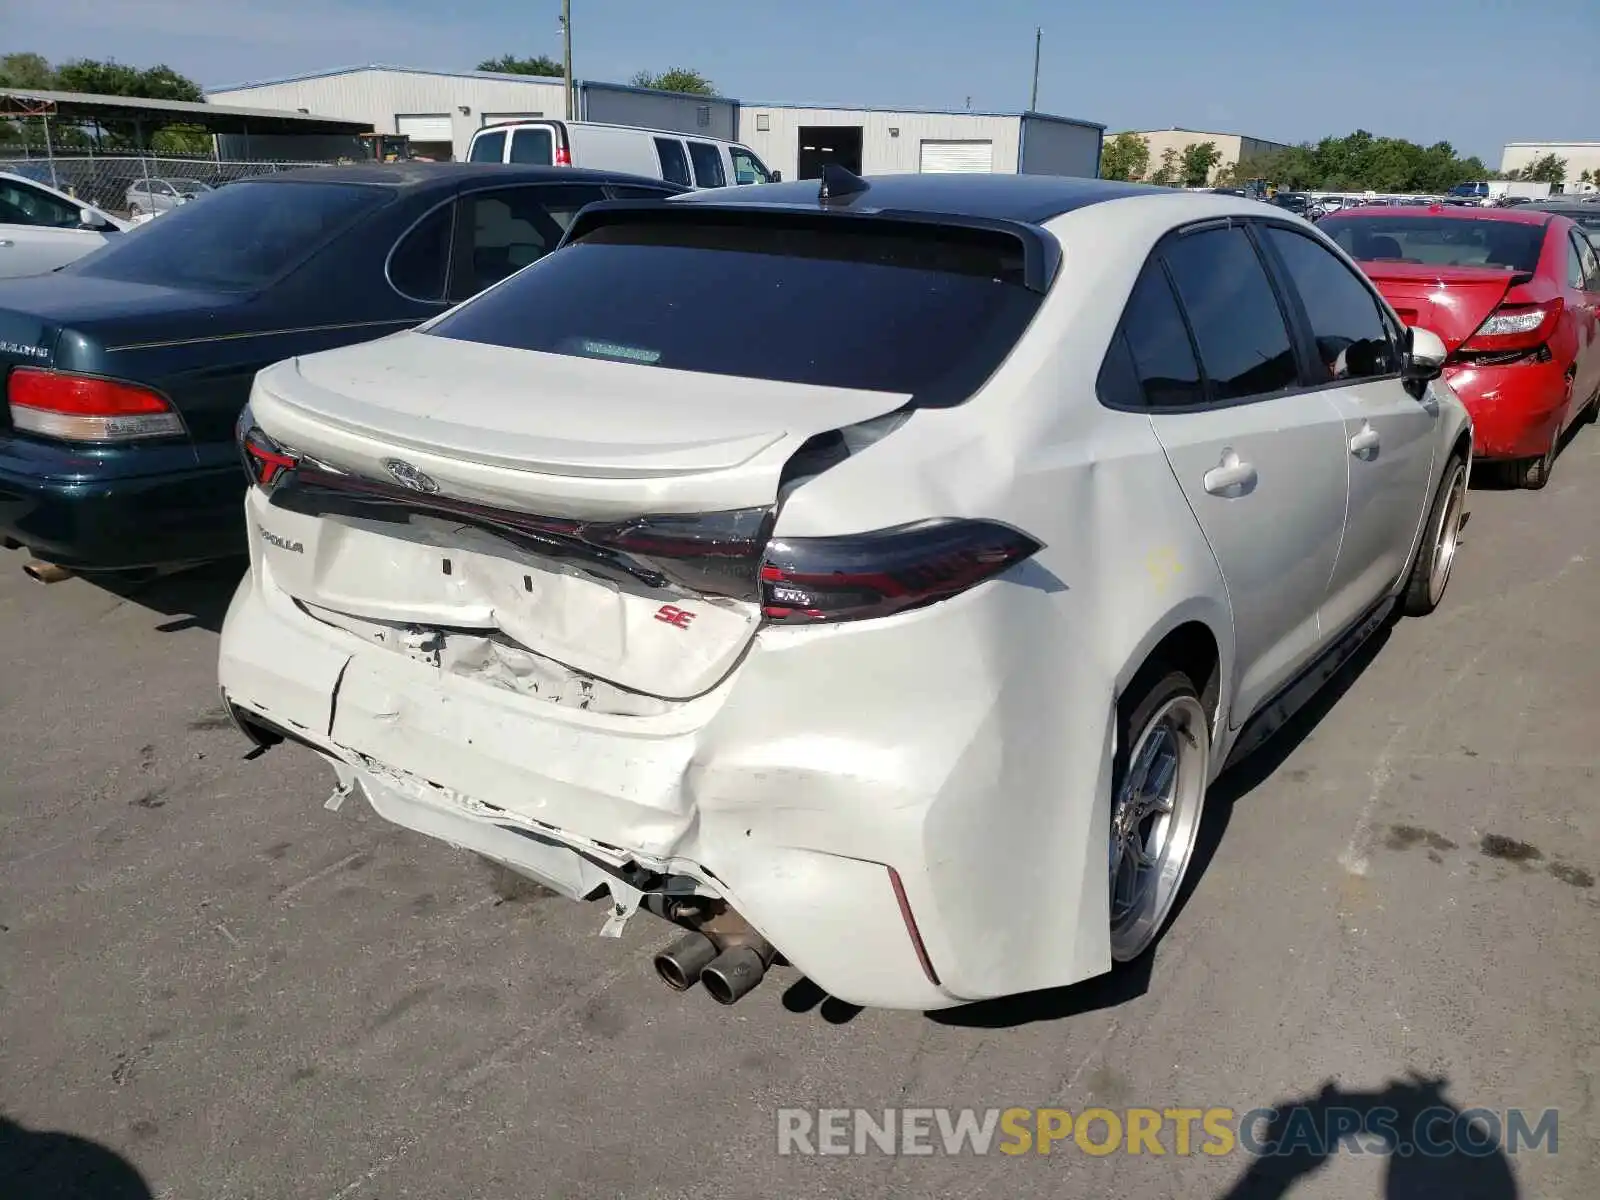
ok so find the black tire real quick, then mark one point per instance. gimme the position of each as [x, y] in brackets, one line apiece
[1532, 474]
[1424, 589]
[1156, 687]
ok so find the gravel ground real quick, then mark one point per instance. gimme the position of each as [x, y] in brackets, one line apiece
[212, 987]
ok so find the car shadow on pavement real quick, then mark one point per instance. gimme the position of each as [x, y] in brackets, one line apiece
[1131, 980]
[61, 1166]
[195, 598]
[1434, 1150]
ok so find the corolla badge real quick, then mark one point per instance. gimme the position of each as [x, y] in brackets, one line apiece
[409, 476]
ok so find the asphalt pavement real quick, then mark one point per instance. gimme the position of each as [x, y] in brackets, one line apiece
[213, 987]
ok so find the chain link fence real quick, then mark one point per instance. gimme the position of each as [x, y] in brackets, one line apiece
[130, 185]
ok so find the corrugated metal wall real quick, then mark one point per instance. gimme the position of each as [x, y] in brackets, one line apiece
[381, 97]
[1058, 148]
[619, 105]
[891, 142]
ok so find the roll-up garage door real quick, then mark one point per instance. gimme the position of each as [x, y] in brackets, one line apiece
[957, 157]
[425, 129]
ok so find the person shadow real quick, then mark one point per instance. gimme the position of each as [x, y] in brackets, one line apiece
[1433, 1150]
[38, 1165]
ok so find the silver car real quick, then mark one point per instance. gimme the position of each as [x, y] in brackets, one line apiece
[151, 196]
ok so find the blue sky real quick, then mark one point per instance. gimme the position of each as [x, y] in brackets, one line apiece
[1474, 72]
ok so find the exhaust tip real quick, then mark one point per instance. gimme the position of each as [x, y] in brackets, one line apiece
[681, 964]
[734, 974]
[45, 572]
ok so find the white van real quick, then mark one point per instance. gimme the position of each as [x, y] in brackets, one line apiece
[700, 162]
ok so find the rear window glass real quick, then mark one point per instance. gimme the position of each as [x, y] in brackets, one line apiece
[1439, 241]
[533, 146]
[236, 238]
[488, 147]
[878, 307]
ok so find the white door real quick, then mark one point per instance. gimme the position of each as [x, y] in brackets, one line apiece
[39, 231]
[971, 158]
[1261, 463]
[1390, 434]
[425, 129]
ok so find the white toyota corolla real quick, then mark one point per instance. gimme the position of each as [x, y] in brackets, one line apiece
[872, 574]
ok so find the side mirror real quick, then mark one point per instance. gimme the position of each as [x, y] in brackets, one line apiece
[1425, 355]
[777, 177]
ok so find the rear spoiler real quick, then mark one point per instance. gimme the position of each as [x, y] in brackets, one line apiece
[1041, 253]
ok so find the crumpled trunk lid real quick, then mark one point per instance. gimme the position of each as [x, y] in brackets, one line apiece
[464, 489]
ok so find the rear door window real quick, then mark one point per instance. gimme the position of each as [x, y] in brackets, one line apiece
[1588, 262]
[868, 304]
[674, 164]
[1239, 328]
[502, 230]
[707, 159]
[535, 146]
[489, 147]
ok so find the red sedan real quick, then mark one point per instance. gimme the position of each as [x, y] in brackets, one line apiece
[1515, 296]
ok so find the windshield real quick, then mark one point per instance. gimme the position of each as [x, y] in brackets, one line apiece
[1438, 241]
[234, 239]
[873, 306]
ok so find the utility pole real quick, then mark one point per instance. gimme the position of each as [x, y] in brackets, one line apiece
[1038, 37]
[566, 56]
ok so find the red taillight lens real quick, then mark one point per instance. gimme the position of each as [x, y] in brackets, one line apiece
[82, 408]
[266, 461]
[563, 157]
[1515, 327]
[812, 580]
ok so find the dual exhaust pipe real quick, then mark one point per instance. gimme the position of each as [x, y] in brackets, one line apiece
[730, 971]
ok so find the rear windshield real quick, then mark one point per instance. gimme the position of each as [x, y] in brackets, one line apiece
[1439, 241]
[874, 306]
[236, 238]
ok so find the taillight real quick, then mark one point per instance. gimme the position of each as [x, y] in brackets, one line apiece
[83, 408]
[563, 156]
[266, 461]
[811, 580]
[1515, 327]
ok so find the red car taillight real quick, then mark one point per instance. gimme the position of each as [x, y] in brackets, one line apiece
[1514, 327]
[807, 581]
[264, 459]
[563, 157]
[84, 408]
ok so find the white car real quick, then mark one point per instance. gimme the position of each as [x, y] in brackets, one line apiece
[874, 574]
[42, 228]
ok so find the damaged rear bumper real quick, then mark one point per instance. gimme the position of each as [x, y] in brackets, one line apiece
[885, 836]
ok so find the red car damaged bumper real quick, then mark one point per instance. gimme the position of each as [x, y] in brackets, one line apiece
[1517, 410]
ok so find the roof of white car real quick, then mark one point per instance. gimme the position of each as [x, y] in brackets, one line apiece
[1030, 198]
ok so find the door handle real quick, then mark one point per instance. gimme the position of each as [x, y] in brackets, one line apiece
[1230, 477]
[6, 244]
[1364, 443]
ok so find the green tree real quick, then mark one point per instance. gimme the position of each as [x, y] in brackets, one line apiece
[26, 70]
[676, 79]
[1125, 157]
[508, 64]
[1546, 169]
[1167, 174]
[110, 78]
[1197, 161]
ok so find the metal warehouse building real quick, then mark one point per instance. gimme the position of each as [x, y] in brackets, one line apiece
[1579, 156]
[873, 141]
[439, 111]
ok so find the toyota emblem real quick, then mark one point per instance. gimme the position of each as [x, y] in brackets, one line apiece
[409, 476]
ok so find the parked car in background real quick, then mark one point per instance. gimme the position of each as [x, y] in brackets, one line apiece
[648, 571]
[1515, 295]
[698, 162]
[42, 228]
[124, 372]
[152, 196]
